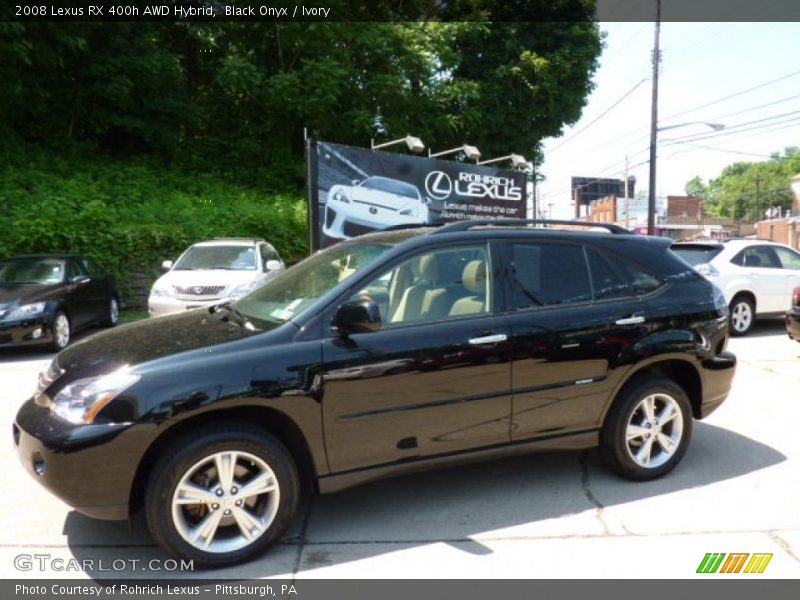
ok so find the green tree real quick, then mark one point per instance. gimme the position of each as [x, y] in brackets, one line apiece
[744, 190]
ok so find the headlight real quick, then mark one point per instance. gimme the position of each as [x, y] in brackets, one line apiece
[411, 211]
[25, 311]
[162, 290]
[241, 290]
[340, 196]
[80, 401]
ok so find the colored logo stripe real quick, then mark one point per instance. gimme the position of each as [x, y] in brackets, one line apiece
[712, 562]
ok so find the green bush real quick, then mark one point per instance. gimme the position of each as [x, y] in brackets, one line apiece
[128, 215]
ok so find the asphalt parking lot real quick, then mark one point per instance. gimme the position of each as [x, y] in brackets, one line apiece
[540, 516]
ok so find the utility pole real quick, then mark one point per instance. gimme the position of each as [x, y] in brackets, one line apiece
[758, 198]
[627, 195]
[651, 199]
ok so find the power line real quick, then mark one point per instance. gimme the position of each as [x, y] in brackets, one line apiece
[739, 112]
[734, 95]
[727, 131]
[595, 120]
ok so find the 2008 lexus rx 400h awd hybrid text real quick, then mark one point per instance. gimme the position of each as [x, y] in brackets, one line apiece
[390, 353]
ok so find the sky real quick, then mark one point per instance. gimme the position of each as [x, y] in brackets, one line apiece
[745, 76]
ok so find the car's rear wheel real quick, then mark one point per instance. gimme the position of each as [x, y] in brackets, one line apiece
[647, 430]
[222, 495]
[61, 331]
[742, 315]
[112, 319]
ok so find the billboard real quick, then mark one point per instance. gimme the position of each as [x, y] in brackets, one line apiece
[353, 191]
[593, 188]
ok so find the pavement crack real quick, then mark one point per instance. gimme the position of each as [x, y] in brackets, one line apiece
[583, 459]
[301, 543]
[783, 544]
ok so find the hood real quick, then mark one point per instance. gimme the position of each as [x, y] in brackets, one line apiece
[379, 198]
[147, 340]
[25, 293]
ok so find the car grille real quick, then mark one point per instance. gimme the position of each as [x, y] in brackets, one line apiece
[353, 229]
[199, 290]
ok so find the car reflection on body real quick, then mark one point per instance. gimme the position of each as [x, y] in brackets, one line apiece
[373, 204]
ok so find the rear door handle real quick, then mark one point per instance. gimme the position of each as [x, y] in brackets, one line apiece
[632, 320]
[488, 339]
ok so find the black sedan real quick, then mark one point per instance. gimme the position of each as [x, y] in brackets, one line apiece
[793, 316]
[44, 299]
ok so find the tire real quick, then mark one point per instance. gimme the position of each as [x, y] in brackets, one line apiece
[191, 463]
[112, 319]
[62, 331]
[628, 417]
[742, 315]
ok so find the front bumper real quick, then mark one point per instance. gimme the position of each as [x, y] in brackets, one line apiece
[793, 323]
[345, 221]
[718, 373]
[90, 467]
[26, 332]
[163, 305]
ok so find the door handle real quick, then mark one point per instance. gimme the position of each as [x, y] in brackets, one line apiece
[632, 320]
[488, 339]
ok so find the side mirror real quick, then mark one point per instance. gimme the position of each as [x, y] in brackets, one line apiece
[355, 181]
[167, 265]
[79, 279]
[272, 265]
[358, 316]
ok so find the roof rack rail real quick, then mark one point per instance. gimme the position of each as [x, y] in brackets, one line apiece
[466, 225]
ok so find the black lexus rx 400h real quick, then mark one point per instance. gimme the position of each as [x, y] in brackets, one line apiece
[386, 354]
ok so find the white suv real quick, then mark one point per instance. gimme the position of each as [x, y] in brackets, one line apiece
[210, 272]
[756, 276]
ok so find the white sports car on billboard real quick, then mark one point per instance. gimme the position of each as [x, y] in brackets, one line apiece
[373, 204]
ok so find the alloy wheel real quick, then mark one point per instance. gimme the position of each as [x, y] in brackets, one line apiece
[225, 501]
[113, 312]
[654, 430]
[61, 330]
[741, 316]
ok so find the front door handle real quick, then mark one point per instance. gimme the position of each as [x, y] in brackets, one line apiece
[488, 339]
[632, 320]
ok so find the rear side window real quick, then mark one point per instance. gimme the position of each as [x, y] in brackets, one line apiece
[546, 274]
[696, 255]
[757, 256]
[606, 281]
[789, 258]
[640, 280]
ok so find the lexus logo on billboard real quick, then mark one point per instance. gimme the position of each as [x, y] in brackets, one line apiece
[440, 186]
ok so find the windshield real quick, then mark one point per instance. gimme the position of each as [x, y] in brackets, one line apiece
[288, 294]
[32, 270]
[229, 258]
[696, 255]
[391, 186]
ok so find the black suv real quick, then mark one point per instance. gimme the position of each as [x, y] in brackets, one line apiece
[386, 354]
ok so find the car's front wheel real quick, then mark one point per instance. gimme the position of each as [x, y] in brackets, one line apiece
[222, 495]
[647, 430]
[61, 331]
[742, 315]
[112, 318]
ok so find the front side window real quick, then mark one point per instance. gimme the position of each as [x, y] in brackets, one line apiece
[546, 274]
[227, 258]
[287, 295]
[437, 285]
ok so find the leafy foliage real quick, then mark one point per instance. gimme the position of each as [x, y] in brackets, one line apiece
[735, 192]
[130, 216]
